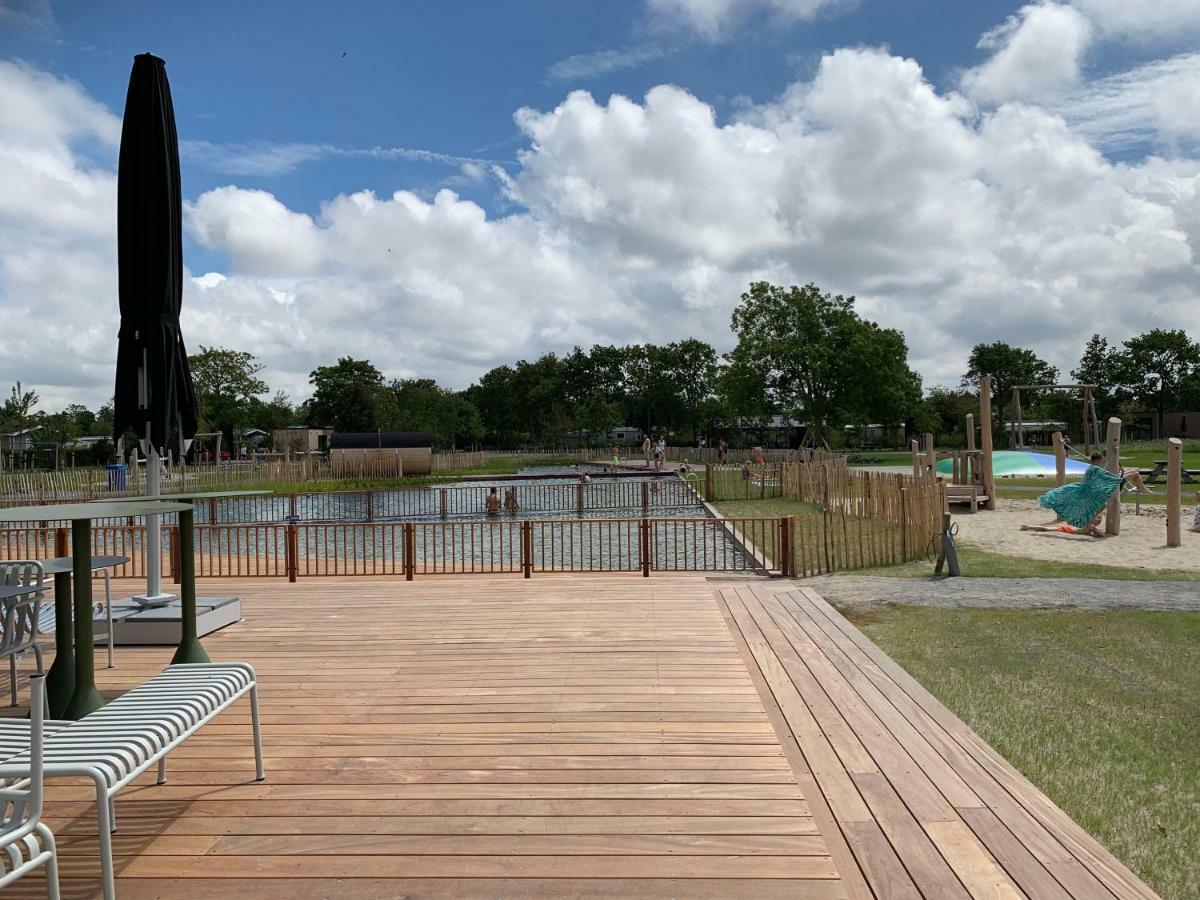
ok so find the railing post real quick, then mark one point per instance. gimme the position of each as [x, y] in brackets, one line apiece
[62, 545]
[645, 497]
[291, 550]
[527, 548]
[442, 502]
[791, 542]
[370, 505]
[292, 505]
[175, 561]
[410, 550]
[644, 545]
[579, 498]
[708, 482]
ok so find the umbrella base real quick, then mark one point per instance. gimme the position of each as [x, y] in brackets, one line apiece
[152, 600]
[134, 624]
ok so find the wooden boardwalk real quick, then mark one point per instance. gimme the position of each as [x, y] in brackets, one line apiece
[583, 736]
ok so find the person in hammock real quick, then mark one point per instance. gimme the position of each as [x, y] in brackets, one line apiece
[1081, 501]
[1092, 529]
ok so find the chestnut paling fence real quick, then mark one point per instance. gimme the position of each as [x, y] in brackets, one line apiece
[851, 518]
[307, 549]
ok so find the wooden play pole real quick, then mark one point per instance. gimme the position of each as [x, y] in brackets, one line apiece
[1060, 460]
[985, 439]
[916, 457]
[930, 457]
[1112, 462]
[1174, 480]
[970, 463]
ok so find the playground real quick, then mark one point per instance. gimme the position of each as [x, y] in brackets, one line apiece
[1141, 543]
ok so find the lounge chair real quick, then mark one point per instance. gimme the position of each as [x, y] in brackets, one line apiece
[121, 740]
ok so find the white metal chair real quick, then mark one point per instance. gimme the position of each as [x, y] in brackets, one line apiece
[128, 735]
[25, 841]
[20, 624]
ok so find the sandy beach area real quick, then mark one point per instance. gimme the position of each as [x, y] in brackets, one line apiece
[1142, 543]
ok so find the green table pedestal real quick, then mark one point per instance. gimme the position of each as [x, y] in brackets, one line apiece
[189, 650]
[60, 680]
[86, 698]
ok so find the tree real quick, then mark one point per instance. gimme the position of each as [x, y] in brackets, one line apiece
[1101, 365]
[226, 381]
[18, 409]
[691, 374]
[1161, 368]
[1008, 366]
[349, 396]
[448, 417]
[271, 415]
[818, 360]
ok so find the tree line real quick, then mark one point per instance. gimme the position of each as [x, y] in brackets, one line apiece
[802, 354]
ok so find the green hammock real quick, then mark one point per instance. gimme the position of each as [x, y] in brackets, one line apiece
[1079, 502]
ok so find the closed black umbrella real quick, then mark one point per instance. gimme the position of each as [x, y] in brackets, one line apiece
[154, 397]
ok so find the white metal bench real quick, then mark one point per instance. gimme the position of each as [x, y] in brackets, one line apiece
[121, 740]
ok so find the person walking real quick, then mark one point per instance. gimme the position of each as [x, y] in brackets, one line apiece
[647, 448]
[660, 452]
[723, 452]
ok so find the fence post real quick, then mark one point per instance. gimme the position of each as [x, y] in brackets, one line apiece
[292, 505]
[62, 546]
[370, 505]
[781, 547]
[442, 502]
[644, 545]
[410, 550]
[212, 510]
[1174, 477]
[904, 524]
[645, 497]
[527, 548]
[291, 549]
[175, 561]
[579, 498]
[708, 482]
[791, 540]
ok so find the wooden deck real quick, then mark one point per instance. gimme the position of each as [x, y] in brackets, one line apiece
[582, 736]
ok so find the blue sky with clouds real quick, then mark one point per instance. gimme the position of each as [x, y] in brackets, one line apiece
[926, 156]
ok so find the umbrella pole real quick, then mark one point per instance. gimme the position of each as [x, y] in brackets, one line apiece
[153, 546]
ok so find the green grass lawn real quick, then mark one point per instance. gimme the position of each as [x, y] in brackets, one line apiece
[1098, 709]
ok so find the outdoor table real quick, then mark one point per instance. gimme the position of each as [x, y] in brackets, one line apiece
[61, 568]
[190, 650]
[71, 690]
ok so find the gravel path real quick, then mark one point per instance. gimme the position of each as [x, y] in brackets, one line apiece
[858, 591]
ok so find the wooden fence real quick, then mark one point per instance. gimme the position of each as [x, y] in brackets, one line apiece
[855, 519]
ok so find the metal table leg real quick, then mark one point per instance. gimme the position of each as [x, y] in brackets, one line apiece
[86, 698]
[60, 680]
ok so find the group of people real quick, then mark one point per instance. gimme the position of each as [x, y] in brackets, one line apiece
[656, 448]
[493, 502]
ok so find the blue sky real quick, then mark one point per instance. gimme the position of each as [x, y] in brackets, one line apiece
[926, 156]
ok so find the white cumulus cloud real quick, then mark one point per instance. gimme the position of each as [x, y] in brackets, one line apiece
[715, 20]
[635, 219]
[1036, 56]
